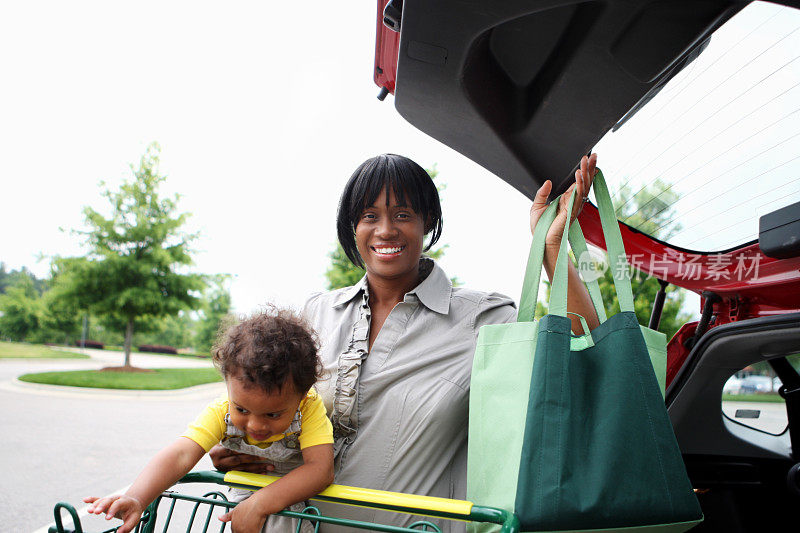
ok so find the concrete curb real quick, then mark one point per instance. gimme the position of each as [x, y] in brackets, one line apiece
[190, 393]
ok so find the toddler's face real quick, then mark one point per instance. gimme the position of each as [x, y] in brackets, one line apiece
[258, 413]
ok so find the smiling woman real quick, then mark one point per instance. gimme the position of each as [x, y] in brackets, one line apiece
[397, 346]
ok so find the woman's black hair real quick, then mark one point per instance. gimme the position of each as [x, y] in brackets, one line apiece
[409, 182]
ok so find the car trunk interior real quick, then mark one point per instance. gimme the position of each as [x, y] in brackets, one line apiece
[505, 83]
[739, 471]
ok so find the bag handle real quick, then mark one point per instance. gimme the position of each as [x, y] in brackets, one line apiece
[533, 271]
[558, 295]
[618, 261]
[558, 287]
[614, 246]
[579, 247]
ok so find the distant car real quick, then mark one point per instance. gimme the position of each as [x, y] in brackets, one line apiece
[756, 385]
[732, 386]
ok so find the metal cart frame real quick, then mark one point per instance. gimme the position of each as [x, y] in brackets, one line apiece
[340, 494]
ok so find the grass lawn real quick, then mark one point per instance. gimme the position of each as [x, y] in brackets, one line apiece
[21, 350]
[766, 398]
[159, 379]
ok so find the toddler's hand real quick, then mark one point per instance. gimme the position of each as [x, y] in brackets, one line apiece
[127, 509]
[247, 517]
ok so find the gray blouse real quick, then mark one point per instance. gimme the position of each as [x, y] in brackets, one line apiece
[399, 411]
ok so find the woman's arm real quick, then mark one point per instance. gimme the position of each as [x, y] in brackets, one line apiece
[224, 459]
[578, 299]
[163, 470]
[305, 481]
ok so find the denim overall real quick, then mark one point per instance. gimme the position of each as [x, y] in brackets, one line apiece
[285, 455]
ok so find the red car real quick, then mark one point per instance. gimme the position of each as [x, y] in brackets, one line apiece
[704, 94]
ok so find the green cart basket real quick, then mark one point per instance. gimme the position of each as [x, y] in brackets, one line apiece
[201, 508]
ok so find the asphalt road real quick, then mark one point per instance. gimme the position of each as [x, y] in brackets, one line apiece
[765, 416]
[62, 443]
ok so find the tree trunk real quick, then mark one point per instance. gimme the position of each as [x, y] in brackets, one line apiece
[128, 340]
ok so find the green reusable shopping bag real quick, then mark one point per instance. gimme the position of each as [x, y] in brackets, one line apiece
[498, 399]
[598, 450]
[503, 364]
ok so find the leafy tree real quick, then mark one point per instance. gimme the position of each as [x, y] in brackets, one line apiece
[214, 313]
[60, 320]
[134, 270]
[32, 311]
[649, 211]
[171, 330]
[343, 273]
[20, 309]
[14, 277]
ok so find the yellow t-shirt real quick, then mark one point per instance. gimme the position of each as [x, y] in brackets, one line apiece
[209, 427]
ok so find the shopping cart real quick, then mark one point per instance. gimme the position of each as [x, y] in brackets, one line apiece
[201, 509]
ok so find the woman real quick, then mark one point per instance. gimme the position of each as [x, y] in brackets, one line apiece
[397, 347]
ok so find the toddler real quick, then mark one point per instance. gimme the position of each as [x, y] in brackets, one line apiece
[270, 364]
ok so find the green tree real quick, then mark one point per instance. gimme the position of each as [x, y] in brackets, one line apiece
[135, 268]
[214, 313]
[14, 277]
[170, 330]
[60, 320]
[20, 309]
[649, 211]
[343, 273]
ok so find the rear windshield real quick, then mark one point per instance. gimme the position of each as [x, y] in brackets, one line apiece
[719, 145]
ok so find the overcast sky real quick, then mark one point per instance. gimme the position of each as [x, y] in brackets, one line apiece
[261, 114]
[724, 132]
[262, 110]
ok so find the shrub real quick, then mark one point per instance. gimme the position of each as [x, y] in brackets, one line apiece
[157, 348]
[90, 344]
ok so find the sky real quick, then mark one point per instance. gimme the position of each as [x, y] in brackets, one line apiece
[724, 132]
[261, 114]
[261, 117]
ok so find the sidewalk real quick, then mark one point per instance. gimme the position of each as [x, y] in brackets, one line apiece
[142, 360]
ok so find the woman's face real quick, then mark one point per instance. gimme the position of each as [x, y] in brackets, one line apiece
[390, 240]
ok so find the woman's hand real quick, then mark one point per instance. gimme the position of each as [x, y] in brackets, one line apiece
[583, 181]
[126, 508]
[225, 459]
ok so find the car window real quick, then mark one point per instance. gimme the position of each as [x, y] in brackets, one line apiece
[750, 397]
[719, 145]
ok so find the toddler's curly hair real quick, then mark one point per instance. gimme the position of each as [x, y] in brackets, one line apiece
[268, 349]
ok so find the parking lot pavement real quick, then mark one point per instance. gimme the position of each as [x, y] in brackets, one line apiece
[766, 416]
[62, 445]
[143, 360]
